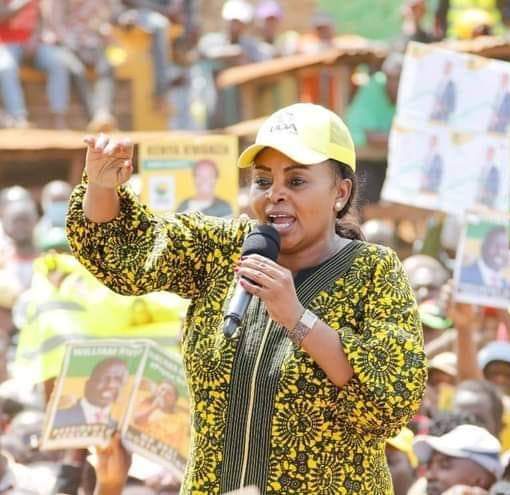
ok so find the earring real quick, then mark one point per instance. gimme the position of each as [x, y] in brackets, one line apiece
[338, 206]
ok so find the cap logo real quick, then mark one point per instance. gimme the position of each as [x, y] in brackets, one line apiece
[284, 122]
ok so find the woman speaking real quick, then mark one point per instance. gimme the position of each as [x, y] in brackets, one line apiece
[328, 361]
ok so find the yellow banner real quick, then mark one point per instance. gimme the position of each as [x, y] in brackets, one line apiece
[190, 173]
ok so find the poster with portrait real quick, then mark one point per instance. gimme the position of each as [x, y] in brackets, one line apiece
[447, 170]
[442, 87]
[482, 271]
[88, 402]
[133, 387]
[190, 173]
[158, 419]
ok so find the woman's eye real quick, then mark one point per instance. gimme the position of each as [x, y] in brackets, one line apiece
[262, 182]
[296, 181]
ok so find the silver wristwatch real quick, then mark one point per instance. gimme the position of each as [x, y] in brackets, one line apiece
[303, 326]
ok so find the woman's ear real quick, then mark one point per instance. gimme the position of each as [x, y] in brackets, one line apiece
[343, 193]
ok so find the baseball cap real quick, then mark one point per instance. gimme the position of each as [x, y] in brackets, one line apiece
[237, 10]
[494, 351]
[445, 362]
[466, 442]
[306, 133]
[268, 8]
[431, 315]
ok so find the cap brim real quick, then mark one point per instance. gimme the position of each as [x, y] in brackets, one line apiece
[432, 320]
[295, 151]
[424, 446]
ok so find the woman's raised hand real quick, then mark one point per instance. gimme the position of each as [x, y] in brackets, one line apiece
[109, 162]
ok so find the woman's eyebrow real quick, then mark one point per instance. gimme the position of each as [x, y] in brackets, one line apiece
[286, 169]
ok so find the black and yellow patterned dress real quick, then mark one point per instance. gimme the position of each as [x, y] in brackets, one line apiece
[263, 413]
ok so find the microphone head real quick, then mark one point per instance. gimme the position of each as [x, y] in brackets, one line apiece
[264, 239]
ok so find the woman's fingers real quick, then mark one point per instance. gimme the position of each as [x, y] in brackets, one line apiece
[101, 143]
[260, 278]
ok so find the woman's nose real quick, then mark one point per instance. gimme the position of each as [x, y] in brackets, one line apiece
[275, 194]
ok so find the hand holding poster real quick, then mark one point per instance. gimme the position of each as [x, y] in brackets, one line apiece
[482, 272]
[131, 387]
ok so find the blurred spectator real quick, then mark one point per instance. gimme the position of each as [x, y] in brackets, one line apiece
[20, 42]
[10, 290]
[441, 382]
[154, 16]
[433, 319]
[220, 50]
[322, 35]
[483, 400]
[402, 461]
[83, 28]
[16, 479]
[235, 45]
[369, 117]
[380, 232]
[269, 16]
[426, 275]
[445, 421]
[494, 361]
[465, 19]
[19, 219]
[54, 202]
[443, 369]
[8, 195]
[323, 87]
[466, 456]
[414, 13]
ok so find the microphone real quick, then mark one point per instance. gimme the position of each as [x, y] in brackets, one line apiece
[265, 241]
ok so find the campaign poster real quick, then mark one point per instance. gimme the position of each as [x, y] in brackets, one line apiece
[482, 271]
[446, 170]
[90, 396]
[158, 420]
[465, 92]
[189, 173]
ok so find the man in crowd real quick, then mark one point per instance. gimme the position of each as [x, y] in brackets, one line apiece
[466, 456]
[101, 391]
[19, 219]
[54, 200]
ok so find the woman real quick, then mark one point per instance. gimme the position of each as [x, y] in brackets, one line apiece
[329, 362]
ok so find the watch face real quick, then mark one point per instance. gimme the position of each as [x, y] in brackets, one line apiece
[308, 319]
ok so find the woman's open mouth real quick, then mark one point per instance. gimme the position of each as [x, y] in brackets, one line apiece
[281, 222]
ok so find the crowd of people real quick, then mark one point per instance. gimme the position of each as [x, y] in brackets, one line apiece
[456, 442]
[74, 42]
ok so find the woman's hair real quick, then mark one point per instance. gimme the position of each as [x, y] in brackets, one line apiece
[347, 224]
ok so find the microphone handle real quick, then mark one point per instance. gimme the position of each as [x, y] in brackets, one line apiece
[236, 311]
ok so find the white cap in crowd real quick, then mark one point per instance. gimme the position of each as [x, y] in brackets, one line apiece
[445, 362]
[238, 10]
[465, 442]
[494, 351]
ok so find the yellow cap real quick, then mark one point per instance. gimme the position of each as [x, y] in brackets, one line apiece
[404, 442]
[306, 133]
